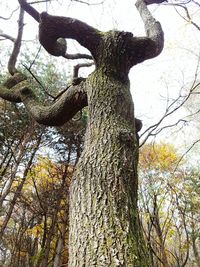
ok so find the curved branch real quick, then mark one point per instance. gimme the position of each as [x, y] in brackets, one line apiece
[61, 111]
[18, 89]
[10, 16]
[53, 29]
[143, 48]
[10, 90]
[78, 66]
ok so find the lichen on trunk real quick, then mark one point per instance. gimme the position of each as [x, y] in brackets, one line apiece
[104, 228]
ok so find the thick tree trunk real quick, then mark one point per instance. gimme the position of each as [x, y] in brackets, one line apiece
[104, 225]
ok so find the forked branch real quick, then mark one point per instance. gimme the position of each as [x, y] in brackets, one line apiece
[54, 29]
[30, 10]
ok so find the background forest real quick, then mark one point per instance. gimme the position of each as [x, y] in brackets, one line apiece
[35, 170]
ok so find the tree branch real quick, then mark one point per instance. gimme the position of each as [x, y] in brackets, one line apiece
[77, 56]
[9, 17]
[188, 17]
[89, 4]
[78, 66]
[6, 36]
[61, 111]
[53, 29]
[30, 10]
[17, 44]
[13, 94]
[17, 89]
[152, 45]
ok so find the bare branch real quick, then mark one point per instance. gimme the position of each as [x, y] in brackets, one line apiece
[17, 44]
[87, 3]
[175, 105]
[196, 3]
[30, 10]
[37, 80]
[38, 2]
[185, 2]
[6, 36]
[9, 17]
[33, 61]
[186, 152]
[188, 17]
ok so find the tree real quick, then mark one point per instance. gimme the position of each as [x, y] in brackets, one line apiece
[104, 225]
[169, 206]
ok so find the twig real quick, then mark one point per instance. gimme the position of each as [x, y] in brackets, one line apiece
[32, 63]
[188, 17]
[89, 4]
[38, 2]
[6, 36]
[171, 109]
[184, 154]
[37, 80]
[9, 17]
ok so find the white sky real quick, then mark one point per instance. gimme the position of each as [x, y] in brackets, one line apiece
[152, 81]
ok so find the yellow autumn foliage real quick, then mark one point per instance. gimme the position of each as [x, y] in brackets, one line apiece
[46, 174]
[158, 156]
[35, 231]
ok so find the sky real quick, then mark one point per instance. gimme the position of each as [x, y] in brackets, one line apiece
[152, 82]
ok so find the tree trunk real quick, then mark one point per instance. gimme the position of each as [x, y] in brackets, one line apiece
[61, 240]
[104, 224]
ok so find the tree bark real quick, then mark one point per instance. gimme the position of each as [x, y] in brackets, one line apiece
[104, 227]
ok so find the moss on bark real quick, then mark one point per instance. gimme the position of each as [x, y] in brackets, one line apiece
[104, 225]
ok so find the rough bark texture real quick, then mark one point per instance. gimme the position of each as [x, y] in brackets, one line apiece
[104, 225]
[104, 229]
